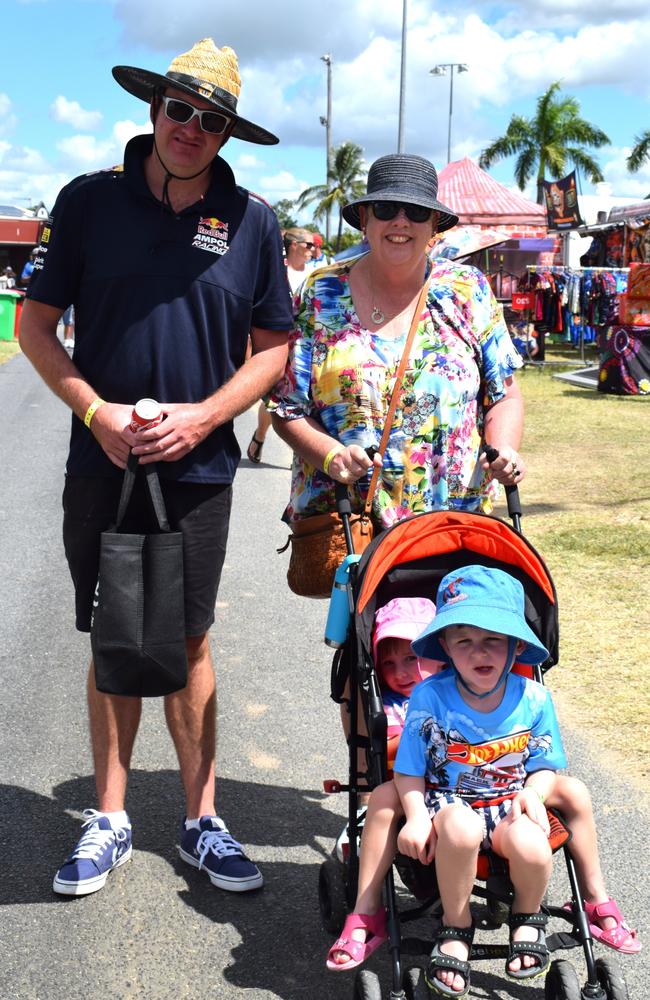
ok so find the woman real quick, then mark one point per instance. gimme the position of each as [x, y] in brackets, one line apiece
[458, 394]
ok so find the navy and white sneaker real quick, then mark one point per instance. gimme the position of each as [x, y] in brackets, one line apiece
[214, 850]
[98, 852]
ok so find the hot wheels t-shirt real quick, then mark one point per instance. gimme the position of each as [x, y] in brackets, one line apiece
[478, 754]
[164, 302]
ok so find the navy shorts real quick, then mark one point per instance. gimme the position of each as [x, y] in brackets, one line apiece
[201, 511]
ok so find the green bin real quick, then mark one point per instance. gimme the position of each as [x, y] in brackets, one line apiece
[8, 301]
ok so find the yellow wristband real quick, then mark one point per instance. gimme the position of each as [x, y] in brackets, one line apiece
[92, 409]
[328, 458]
[539, 794]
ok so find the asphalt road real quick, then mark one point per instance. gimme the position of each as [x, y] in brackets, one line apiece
[158, 930]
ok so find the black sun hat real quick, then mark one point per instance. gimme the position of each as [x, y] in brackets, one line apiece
[406, 178]
[206, 72]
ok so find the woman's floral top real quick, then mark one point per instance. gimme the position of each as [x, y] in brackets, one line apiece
[342, 376]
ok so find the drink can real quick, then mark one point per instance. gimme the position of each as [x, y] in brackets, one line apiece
[146, 413]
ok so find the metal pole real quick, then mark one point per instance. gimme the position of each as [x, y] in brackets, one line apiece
[328, 127]
[402, 84]
[451, 102]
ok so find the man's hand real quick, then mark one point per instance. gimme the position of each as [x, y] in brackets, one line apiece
[417, 839]
[184, 426]
[110, 426]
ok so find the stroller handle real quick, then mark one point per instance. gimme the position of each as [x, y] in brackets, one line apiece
[512, 492]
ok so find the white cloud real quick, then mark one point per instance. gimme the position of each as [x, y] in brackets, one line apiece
[71, 113]
[82, 153]
[621, 181]
[21, 158]
[248, 162]
[8, 119]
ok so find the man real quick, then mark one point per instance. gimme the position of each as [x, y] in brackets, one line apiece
[170, 266]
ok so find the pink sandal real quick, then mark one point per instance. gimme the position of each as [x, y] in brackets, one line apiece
[621, 937]
[358, 951]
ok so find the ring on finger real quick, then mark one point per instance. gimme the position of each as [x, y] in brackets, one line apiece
[515, 472]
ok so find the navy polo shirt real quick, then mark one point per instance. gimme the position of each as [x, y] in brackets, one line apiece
[163, 303]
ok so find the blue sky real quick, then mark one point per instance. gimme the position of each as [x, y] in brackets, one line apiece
[62, 114]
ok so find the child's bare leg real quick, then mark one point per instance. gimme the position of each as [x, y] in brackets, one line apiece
[572, 798]
[378, 847]
[460, 832]
[525, 846]
[362, 730]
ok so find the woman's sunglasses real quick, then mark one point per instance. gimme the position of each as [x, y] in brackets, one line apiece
[182, 113]
[387, 210]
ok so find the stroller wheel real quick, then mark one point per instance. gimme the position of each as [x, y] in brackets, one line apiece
[611, 979]
[415, 988]
[562, 982]
[332, 897]
[367, 985]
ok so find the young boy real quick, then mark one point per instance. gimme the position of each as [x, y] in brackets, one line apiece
[476, 760]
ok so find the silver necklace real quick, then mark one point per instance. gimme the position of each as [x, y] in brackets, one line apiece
[377, 315]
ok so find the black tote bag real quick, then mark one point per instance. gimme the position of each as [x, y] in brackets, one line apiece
[137, 633]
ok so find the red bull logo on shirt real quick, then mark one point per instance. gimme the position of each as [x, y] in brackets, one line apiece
[211, 235]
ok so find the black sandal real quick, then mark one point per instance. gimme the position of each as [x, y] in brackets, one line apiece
[537, 949]
[254, 451]
[439, 962]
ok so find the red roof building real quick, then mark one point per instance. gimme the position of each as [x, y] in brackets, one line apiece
[480, 200]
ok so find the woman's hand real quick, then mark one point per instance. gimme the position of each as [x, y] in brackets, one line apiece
[509, 468]
[350, 464]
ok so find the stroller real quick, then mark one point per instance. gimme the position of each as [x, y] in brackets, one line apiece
[409, 560]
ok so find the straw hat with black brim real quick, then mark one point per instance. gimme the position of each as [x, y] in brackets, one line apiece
[206, 72]
[405, 178]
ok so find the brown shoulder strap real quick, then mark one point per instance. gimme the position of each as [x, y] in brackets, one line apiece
[397, 392]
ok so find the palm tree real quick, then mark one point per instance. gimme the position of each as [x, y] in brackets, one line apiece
[346, 182]
[640, 151]
[555, 137]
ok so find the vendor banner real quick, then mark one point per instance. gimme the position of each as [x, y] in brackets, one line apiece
[561, 197]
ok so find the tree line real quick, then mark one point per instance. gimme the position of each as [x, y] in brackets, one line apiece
[545, 145]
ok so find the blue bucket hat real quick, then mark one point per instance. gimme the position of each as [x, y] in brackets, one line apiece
[487, 598]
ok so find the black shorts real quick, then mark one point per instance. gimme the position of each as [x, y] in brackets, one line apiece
[200, 510]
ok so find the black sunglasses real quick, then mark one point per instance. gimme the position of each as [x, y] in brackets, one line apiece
[182, 113]
[387, 210]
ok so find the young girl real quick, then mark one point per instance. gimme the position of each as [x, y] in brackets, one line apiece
[399, 670]
[365, 927]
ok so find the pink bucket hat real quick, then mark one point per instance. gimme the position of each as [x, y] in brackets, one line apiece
[402, 618]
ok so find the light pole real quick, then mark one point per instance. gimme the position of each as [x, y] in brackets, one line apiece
[327, 122]
[441, 70]
[402, 83]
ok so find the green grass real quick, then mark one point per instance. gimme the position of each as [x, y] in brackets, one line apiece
[586, 504]
[7, 350]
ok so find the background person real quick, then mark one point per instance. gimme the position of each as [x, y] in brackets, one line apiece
[28, 269]
[298, 245]
[163, 321]
[318, 255]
